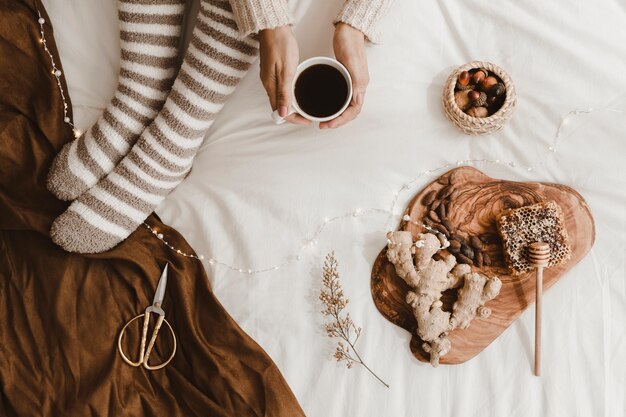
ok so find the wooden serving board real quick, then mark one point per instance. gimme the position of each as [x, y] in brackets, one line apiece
[472, 211]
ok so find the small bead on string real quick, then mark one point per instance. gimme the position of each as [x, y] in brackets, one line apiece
[420, 243]
[57, 74]
[306, 243]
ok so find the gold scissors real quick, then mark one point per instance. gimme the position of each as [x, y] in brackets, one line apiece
[144, 354]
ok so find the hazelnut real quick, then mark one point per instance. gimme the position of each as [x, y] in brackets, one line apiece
[497, 90]
[462, 100]
[488, 82]
[479, 76]
[473, 96]
[478, 112]
[462, 82]
[496, 104]
[478, 99]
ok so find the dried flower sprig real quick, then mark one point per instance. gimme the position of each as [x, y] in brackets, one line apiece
[341, 327]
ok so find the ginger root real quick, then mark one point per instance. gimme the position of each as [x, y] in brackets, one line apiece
[400, 252]
[477, 290]
[428, 280]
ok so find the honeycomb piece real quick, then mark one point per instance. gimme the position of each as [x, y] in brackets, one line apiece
[542, 222]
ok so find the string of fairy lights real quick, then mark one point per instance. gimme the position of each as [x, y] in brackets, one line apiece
[311, 240]
[56, 72]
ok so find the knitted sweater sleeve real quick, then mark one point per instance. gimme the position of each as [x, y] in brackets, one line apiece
[364, 15]
[253, 16]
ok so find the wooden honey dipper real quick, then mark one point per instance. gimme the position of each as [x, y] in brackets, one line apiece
[539, 257]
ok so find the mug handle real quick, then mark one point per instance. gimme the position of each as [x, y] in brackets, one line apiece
[280, 120]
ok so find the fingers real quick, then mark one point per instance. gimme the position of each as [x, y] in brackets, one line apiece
[350, 114]
[360, 80]
[284, 89]
[269, 83]
[275, 97]
[297, 119]
[278, 85]
[358, 94]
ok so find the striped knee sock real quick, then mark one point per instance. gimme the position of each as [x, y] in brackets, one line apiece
[216, 60]
[149, 33]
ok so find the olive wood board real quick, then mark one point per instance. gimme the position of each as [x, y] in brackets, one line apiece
[472, 211]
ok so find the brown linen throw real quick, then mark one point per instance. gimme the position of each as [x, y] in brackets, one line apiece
[60, 313]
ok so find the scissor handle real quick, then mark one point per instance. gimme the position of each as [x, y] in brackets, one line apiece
[160, 321]
[144, 335]
[143, 354]
[155, 332]
[119, 342]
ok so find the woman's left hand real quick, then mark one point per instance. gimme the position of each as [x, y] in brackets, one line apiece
[349, 46]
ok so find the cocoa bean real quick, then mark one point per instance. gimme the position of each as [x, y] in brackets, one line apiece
[467, 251]
[442, 211]
[455, 245]
[459, 238]
[476, 243]
[437, 257]
[445, 180]
[464, 259]
[435, 204]
[486, 259]
[429, 197]
[447, 224]
[442, 239]
[441, 228]
[428, 222]
[434, 216]
[479, 259]
[445, 192]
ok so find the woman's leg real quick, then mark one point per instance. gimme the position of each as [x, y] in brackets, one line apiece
[150, 37]
[213, 65]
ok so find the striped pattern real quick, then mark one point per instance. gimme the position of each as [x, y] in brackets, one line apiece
[149, 36]
[213, 65]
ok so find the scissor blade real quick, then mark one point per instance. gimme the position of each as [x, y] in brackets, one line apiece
[160, 291]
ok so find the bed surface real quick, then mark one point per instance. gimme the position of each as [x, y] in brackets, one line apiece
[258, 192]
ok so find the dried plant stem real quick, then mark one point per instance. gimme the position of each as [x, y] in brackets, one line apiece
[341, 327]
[360, 361]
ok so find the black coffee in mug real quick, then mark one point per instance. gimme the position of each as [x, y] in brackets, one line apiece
[321, 90]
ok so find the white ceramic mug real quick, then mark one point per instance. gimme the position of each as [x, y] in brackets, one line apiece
[295, 108]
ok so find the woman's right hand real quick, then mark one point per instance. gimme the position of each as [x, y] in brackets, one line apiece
[279, 60]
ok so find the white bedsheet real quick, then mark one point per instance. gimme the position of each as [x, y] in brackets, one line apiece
[256, 190]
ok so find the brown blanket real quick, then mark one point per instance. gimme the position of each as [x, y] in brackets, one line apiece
[60, 313]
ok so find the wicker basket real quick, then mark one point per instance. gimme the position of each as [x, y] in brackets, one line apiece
[479, 125]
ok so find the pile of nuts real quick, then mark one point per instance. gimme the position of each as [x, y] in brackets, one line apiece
[470, 250]
[479, 93]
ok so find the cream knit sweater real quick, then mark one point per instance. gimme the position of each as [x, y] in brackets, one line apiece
[255, 15]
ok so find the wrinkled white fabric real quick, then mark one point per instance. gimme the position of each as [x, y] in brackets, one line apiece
[256, 190]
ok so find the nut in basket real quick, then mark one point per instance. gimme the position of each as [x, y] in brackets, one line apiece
[479, 97]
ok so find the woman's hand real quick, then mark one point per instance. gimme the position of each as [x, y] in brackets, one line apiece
[279, 60]
[349, 46]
